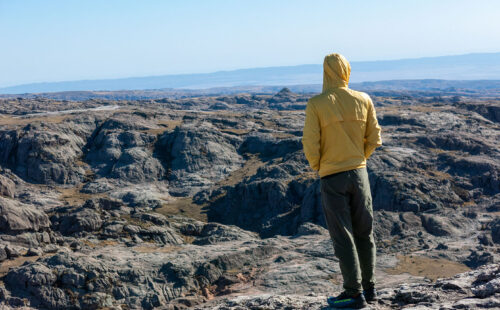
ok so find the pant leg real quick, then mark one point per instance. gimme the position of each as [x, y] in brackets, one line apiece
[362, 221]
[336, 208]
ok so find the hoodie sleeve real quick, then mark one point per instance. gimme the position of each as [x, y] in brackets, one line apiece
[311, 137]
[372, 133]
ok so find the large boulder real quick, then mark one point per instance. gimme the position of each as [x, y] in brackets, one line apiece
[38, 280]
[46, 153]
[7, 187]
[212, 233]
[270, 146]
[198, 155]
[161, 234]
[438, 225]
[121, 148]
[83, 220]
[269, 202]
[398, 183]
[495, 230]
[481, 171]
[137, 165]
[17, 217]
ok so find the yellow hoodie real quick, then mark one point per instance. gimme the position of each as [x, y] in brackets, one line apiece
[341, 129]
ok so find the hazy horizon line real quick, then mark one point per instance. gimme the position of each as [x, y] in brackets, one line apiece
[233, 70]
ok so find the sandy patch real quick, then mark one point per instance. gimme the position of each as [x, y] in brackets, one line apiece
[431, 268]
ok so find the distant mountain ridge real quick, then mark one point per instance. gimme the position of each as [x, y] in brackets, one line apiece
[479, 66]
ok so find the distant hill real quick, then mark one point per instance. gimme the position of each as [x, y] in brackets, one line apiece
[484, 66]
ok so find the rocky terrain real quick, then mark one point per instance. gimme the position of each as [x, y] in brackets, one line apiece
[208, 202]
[471, 290]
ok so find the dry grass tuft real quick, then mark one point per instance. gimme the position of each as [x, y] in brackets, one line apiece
[250, 167]
[235, 131]
[185, 207]
[54, 119]
[73, 197]
[18, 261]
[135, 221]
[164, 125]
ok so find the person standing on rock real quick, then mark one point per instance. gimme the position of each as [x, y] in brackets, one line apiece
[341, 131]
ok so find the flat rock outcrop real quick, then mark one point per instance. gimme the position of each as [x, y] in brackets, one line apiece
[479, 289]
[7, 187]
[16, 217]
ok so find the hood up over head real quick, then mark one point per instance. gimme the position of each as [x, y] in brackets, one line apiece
[336, 71]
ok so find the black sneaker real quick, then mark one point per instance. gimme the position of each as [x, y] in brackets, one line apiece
[370, 294]
[347, 301]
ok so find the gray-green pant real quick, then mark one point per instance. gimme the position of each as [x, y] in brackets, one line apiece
[347, 205]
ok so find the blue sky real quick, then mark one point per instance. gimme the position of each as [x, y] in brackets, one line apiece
[45, 41]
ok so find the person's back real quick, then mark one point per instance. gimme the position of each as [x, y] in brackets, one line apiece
[340, 132]
[341, 129]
